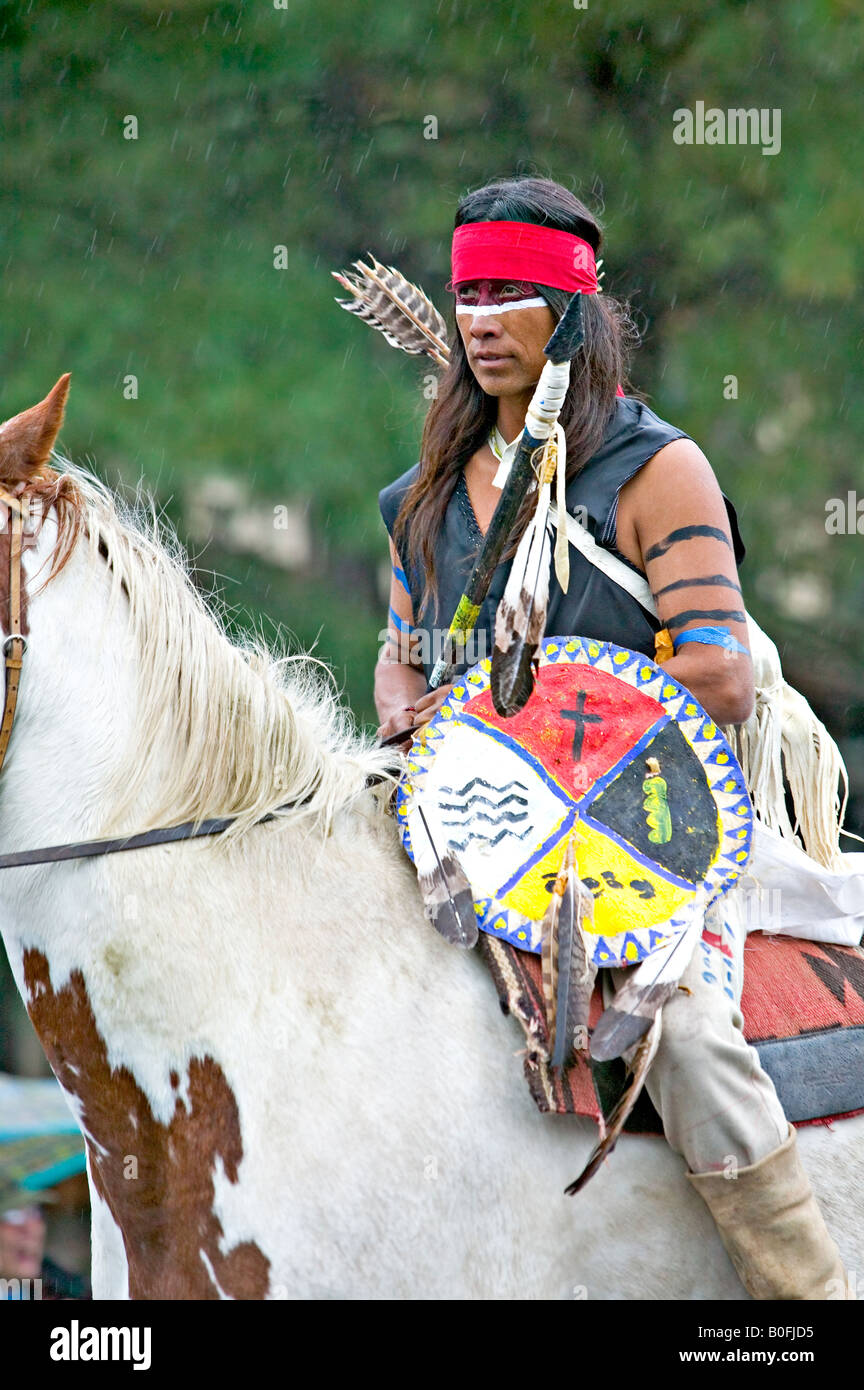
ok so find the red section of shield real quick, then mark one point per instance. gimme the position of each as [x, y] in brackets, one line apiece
[612, 717]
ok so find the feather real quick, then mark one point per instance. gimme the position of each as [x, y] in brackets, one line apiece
[521, 617]
[568, 974]
[640, 998]
[549, 961]
[448, 899]
[520, 622]
[401, 311]
[639, 1059]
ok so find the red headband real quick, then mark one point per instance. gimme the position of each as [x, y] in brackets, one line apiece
[523, 251]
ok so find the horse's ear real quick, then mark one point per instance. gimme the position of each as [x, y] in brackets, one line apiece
[27, 439]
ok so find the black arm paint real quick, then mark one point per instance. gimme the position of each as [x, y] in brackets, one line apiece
[685, 533]
[732, 614]
[706, 579]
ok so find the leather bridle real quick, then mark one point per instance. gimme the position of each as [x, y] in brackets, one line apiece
[14, 646]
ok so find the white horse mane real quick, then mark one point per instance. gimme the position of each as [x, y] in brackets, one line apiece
[245, 728]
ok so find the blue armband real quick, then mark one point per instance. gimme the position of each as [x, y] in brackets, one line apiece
[402, 578]
[712, 637]
[400, 623]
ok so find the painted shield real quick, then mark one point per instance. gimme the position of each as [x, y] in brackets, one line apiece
[608, 745]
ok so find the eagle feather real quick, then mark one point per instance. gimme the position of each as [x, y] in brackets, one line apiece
[383, 298]
[568, 972]
[639, 1059]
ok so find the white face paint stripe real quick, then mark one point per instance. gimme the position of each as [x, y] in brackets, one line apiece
[537, 303]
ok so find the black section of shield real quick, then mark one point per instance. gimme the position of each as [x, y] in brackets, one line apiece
[692, 808]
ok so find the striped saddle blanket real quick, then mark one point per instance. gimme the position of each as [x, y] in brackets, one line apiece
[803, 1009]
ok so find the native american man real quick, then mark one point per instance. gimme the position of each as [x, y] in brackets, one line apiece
[521, 248]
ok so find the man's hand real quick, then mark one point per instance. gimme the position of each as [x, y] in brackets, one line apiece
[414, 716]
[427, 705]
[399, 719]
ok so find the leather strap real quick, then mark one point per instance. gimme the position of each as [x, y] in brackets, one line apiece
[15, 644]
[188, 830]
[580, 537]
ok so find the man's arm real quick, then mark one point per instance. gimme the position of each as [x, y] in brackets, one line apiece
[398, 682]
[683, 534]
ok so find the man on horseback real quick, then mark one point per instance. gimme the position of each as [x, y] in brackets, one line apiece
[650, 497]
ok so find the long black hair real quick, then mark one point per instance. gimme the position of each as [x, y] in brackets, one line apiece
[461, 418]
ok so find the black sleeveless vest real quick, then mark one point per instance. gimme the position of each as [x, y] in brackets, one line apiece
[594, 606]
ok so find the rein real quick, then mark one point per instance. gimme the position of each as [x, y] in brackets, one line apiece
[188, 830]
[14, 647]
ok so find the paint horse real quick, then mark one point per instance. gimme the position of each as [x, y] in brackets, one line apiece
[289, 1085]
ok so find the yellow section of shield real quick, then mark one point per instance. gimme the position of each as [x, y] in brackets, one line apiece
[628, 895]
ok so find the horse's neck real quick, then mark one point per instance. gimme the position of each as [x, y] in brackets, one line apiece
[76, 706]
[175, 945]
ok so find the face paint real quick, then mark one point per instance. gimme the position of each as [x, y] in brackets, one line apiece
[481, 297]
[537, 302]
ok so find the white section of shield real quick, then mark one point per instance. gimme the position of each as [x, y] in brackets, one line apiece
[485, 802]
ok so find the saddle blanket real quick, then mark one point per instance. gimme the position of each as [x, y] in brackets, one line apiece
[803, 1009]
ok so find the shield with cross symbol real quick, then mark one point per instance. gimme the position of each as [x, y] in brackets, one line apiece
[609, 745]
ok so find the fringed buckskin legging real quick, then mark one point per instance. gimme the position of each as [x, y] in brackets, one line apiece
[706, 1082]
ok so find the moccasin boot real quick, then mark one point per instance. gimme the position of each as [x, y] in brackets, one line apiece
[768, 1219]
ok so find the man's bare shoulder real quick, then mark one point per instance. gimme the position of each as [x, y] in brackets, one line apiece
[677, 476]
[681, 462]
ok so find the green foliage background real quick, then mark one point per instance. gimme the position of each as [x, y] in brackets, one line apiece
[302, 124]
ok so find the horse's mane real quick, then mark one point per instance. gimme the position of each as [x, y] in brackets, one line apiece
[243, 729]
